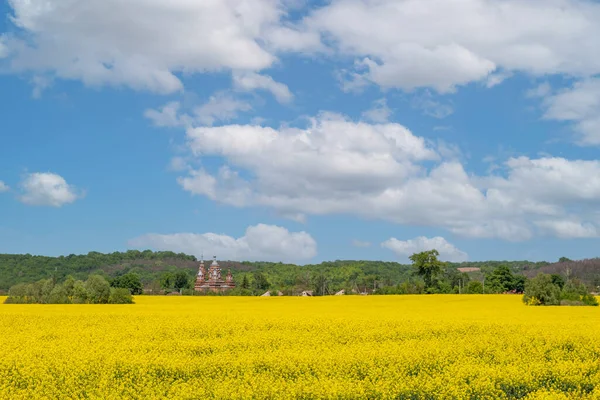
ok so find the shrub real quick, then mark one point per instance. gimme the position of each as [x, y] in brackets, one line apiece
[474, 287]
[541, 291]
[120, 296]
[98, 289]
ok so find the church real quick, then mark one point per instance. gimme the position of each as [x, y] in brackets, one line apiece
[211, 280]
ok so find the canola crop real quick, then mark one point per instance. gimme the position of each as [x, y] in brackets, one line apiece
[345, 347]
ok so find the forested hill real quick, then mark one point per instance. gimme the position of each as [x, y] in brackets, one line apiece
[150, 266]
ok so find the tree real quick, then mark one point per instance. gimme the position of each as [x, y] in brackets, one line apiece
[167, 280]
[181, 280]
[474, 287]
[120, 296]
[558, 280]
[575, 293]
[58, 295]
[260, 281]
[500, 280]
[540, 291]
[98, 289]
[80, 294]
[427, 265]
[129, 281]
[320, 285]
[564, 259]
[245, 283]
[519, 283]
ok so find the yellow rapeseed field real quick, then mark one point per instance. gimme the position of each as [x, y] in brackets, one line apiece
[345, 347]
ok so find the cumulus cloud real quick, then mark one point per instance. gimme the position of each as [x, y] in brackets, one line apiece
[568, 229]
[260, 243]
[4, 187]
[379, 113]
[431, 107]
[220, 107]
[142, 44]
[168, 116]
[384, 171]
[578, 104]
[47, 189]
[249, 81]
[405, 248]
[442, 44]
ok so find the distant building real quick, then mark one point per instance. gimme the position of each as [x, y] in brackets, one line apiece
[265, 294]
[341, 293]
[211, 280]
[468, 269]
[307, 293]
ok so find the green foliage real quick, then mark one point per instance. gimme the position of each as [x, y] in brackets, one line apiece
[320, 285]
[427, 266]
[558, 280]
[541, 291]
[260, 281]
[120, 296]
[245, 282]
[129, 281]
[181, 280]
[575, 293]
[98, 289]
[25, 268]
[80, 294]
[58, 295]
[474, 287]
[500, 280]
[95, 290]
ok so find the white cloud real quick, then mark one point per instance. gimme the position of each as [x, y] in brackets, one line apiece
[260, 243]
[4, 187]
[379, 113]
[405, 248]
[433, 108]
[442, 44]
[541, 90]
[383, 171]
[47, 189]
[168, 116]
[360, 243]
[143, 44]
[568, 229]
[221, 106]
[580, 105]
[249, 81]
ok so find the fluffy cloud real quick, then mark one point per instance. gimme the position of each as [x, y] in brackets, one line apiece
[445, 43]
[379, 113]
[438, 43]
[405, 248]
[250, 81]
[580, 105]
[4, 187]
[260, 243]
[167, 116]
[143, 44]
[383, 171]
[47, 189]
[220, 107]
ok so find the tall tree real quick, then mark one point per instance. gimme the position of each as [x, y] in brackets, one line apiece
[427, 265]
[181, 281]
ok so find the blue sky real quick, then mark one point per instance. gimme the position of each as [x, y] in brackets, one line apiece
[301, 131]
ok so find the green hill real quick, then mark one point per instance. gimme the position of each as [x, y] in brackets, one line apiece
[332, 275]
